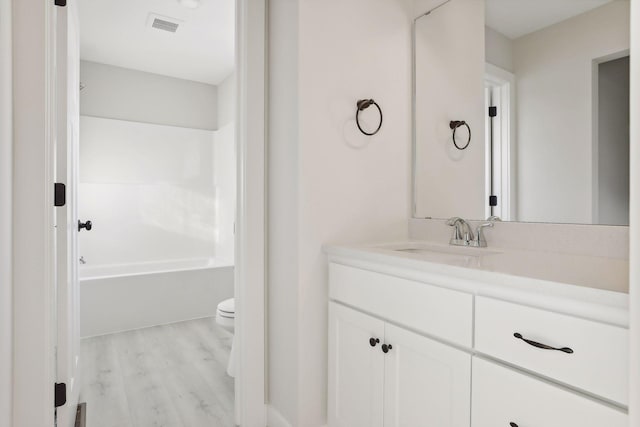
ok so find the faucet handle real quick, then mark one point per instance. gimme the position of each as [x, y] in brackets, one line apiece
[479, 241]
[456, 239]
[453, 221]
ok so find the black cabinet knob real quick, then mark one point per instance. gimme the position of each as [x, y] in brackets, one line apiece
[373, 341]
[86, 225]
[513, 425]
[386, 348]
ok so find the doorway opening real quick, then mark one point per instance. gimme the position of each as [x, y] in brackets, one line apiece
[611, 112]
[500, 143]
[154, 181]
[44, 80]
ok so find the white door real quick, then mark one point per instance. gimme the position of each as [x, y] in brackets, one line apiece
[426, 383]
[67, 288]
[356, 368]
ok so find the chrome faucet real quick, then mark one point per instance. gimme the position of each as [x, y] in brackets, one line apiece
[462, 231]
[463, 234]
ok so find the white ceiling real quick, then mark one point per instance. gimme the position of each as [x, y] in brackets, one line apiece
[115, 32]
[515, 18]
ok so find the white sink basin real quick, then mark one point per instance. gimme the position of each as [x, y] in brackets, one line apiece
[451, 250]
[437, 252]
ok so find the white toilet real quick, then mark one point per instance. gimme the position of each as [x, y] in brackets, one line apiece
[225, 317]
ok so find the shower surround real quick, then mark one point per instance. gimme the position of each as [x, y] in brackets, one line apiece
[161, 202]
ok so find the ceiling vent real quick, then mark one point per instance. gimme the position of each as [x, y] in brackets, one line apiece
[163, 23]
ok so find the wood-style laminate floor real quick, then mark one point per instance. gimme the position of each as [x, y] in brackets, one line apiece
[164, 376]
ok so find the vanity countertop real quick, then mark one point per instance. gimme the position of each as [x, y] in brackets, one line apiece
[586, 286]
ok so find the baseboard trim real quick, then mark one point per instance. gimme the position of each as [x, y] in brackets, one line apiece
[275, 418]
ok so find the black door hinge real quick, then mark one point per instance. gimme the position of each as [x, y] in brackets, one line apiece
[493, 111]
[493, 200]
[59, 194]
[60, 394]
[62, 3]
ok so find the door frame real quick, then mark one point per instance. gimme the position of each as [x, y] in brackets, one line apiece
[634, 229]
[33, 248]
[6, 172]
[33, 213]
[250, 271]
[504, 139]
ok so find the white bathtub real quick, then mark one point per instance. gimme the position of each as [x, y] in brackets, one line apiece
[121, 297]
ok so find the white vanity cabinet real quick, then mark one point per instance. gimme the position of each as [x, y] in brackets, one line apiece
[449, 347]
[384, 375]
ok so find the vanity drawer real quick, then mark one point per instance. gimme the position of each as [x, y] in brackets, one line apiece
[439, 312]
[597, 363]
[502, 396]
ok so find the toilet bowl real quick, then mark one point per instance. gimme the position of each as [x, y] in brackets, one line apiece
[226, 314]
[225, 318]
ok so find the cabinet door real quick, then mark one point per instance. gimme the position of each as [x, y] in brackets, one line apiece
[426, 383]
[356, 369]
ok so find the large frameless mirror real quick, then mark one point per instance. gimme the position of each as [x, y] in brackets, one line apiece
[521, 111]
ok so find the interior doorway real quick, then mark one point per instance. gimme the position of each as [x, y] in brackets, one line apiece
[35, 29]
[156, 210]
[193, 172]
[500, 143]
[611, 141]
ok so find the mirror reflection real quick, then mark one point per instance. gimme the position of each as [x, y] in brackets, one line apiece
[540, 92]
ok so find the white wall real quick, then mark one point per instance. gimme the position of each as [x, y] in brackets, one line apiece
[227, 100]
[124, 94]
[128, 95]
[328, 183]
[450, 63]
[499, 49]
[613, 142]
[553, 70]
[149, 191]
[6, 157]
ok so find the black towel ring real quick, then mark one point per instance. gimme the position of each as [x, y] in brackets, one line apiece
[363, 104]
[454, 125]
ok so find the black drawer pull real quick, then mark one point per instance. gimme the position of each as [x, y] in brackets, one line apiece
[542, 346]
[373, 341]
[513, 425]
